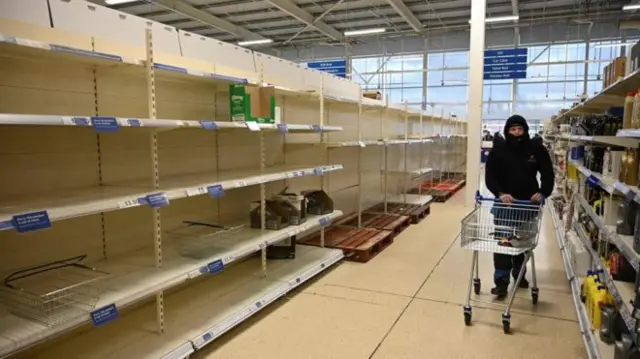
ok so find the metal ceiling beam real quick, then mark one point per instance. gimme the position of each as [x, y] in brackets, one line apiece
[406, 13]
[292, 9]
[207, 18]
[325, 13]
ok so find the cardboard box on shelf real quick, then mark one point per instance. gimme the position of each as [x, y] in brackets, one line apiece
[618, 69]
[605, 76]
[252, 104]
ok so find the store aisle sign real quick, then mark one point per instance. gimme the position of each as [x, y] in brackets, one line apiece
[336, 67]
[505, 64]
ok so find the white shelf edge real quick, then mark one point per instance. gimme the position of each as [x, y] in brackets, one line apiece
[169, 280]
[84, 208]
[587, 335]
[129, 122]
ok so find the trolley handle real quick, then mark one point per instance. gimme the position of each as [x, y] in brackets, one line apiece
[479, 198]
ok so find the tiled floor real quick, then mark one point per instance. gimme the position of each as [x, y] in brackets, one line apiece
[406, 303]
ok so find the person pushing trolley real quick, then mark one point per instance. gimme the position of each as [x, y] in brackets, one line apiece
[509, 224]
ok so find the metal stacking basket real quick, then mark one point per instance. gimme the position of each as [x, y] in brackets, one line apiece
[53, 293]
[201, 240]
[505, 228]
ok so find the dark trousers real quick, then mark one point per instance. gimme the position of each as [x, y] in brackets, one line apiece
[504, 264]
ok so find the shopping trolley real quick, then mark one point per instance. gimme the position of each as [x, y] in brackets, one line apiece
[506, 228]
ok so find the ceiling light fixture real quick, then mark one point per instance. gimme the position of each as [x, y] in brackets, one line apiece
[254, 42]
[631, 7]
[364, 32]
[117, 2]
[500, 19]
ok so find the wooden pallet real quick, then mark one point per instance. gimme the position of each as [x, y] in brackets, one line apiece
[416, 212]
[358, 245]
[385, 221]
[443, 192]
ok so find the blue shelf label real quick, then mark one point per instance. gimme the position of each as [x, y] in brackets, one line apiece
[209, 125]
[157, 200]
[216, 266]
[169, 68]
[134, 122]
[593, 180]
[325, 221]
[105, 124]
[631, 195]
[29, 222]
[259, 305]
[207, 336]
[283, 128]
[316, 128]
[80, 121]
[318, 171]
[216, 190]
[104, 315]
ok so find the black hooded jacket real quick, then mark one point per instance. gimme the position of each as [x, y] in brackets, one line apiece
[513, 164]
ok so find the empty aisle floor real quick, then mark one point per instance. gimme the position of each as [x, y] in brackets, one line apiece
[407, 303]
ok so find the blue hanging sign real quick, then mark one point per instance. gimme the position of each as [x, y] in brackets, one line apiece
[505, 64]
[335, 67]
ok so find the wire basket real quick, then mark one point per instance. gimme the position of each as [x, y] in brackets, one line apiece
[200, 240]
[53, 293]
[501, 228]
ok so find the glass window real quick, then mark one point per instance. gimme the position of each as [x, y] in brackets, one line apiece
[500, 110]
[412, 94]
[393, 64]
[538, 109]
[557, 53]
[455, 77]
[446, 94]
[412, 78]
[434, 78]
[412, 63]
[532, 91]
[493, 92]
[435, 61]
[593, 87]
[456, 59]
[394, 95]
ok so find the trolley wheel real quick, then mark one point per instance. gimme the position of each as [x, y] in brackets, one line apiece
[467, 316]
[534, 295]
[476, 286]
[506, 323]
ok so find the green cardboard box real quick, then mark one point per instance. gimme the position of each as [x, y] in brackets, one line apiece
[252, 104]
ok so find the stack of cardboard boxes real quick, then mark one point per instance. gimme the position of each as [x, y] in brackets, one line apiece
[253, 104]
[614, 71]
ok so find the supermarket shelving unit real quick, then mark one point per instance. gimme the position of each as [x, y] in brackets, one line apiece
[622, 292]
[115, 132]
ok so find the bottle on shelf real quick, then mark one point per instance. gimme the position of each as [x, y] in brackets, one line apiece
[597, 303]
[627, 118]
[632, 168]
[635, 119]
[622, 174]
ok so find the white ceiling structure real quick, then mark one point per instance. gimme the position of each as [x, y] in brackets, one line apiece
[313, 22]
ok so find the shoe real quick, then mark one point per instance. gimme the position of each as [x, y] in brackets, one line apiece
[524, 284]
[500, 290]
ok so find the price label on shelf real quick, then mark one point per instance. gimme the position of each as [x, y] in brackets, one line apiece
[253, 126]
[207, 337]
[228, 259]
[316, 128]
[593, 180]
[104, 315]
[134, 122]
[196, 191]
[241, 184]
[29, 222]
[215, 191]
[259, 304]
[157, 200]
[630, 195]
[216, 266]
[361, 144]
[76, 121]
[129, 203]
[209, 125]
[318, 171]
[324, 221]
[283, 128]
[105, 124]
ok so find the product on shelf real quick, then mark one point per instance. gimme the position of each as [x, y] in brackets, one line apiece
[372, 94]
[318, 202]
[296, 201]
[285, 249]
[622, 348]
[627, 118]
[631, 178]
[252, 104]
[277, 215]
[53, 293]
[607, 323]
